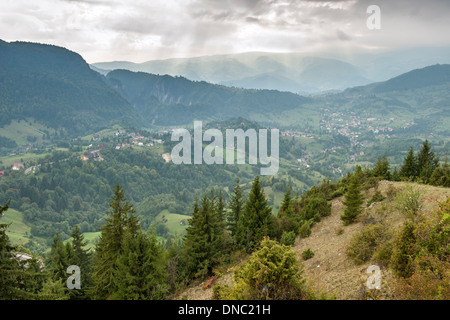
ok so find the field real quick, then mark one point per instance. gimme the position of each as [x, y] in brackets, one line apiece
[176, 223]
[20, 130]
[18, 232]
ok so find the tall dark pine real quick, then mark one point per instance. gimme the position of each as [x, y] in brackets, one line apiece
[18, 281]
[141, 274]
[353, 201]
[203, 240]
[256, 220]
[426, 162]
[83, 258]
[409, 167]
[236, 206]
[121, 221]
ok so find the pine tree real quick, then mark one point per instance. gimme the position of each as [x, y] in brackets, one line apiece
[409, 167]
[58, 260]
[285, 204]
[353, 201]
[236, 205]
[82, 258]
[203, 240]
[381, 169]
[426, 162]
[121, 221]
[140, 273]
[18, 280]
[256, 221]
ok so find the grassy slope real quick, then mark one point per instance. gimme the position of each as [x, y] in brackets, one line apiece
[330, 269]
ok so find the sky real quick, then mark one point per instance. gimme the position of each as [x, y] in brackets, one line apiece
[142, 30]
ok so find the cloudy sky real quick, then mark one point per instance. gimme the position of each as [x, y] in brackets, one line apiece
[141, 30]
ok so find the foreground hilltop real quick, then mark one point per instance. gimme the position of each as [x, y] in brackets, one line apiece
[342, 254]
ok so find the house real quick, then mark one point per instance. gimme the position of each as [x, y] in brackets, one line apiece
[2, 173]
[90, 155]
[17, 166]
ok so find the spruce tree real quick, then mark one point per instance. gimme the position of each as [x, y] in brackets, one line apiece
[120, 222]
[381, 169]
[203, 239]
[140, 273]
[236, 205]
[426, 162]
[409, 167]
[256, 221]
[82, 258]
[19, 280]
[285, 204]
[353, 201]
[58, 260]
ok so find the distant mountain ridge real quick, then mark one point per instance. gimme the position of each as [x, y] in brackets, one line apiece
[434, 75]
[174, 100]
[284, 72]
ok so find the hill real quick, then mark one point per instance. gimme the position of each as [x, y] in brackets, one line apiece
[331, 269]
[294, 72]
[57, 88]
[167, 100]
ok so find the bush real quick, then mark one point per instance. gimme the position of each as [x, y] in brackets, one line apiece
[272, 272]
[288, 238]
[307, 254]
[363, 244]
[377, 197]
[305, 229]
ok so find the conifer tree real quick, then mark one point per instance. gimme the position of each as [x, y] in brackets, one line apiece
[353, 201]
[18, 280]
[120, 222]
[409, 167]
[287, 199]
[236, 205]
[256, 221]
[58, 260]
[82, 258]
[140, 273]
[381, 168]
[203, 240]
[426, 162]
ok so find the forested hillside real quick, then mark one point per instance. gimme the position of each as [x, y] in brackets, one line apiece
[56, 87]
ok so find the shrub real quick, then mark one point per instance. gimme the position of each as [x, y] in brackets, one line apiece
[272, 272]
[377, 197]
[307, 254]
[364, 243]
[305, 229]
[288, 238]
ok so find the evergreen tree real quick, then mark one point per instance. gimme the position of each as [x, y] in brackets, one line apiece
[19, 280]
[121, 221]
[353, 201]
[203, 240]
[426, 162]
[381, 169]
[82, 258]
[285, 204]
[58, 260]
[140, 273]
[256, 221]
[409, 167]
[236, 206]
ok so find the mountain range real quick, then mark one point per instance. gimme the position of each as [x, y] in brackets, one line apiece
[58, 88]
[302, 73]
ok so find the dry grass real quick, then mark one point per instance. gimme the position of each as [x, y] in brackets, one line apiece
[330, 270]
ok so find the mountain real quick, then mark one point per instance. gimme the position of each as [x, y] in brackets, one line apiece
[294, 72]
[177, 100]
[436, 75]
[57, 88]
